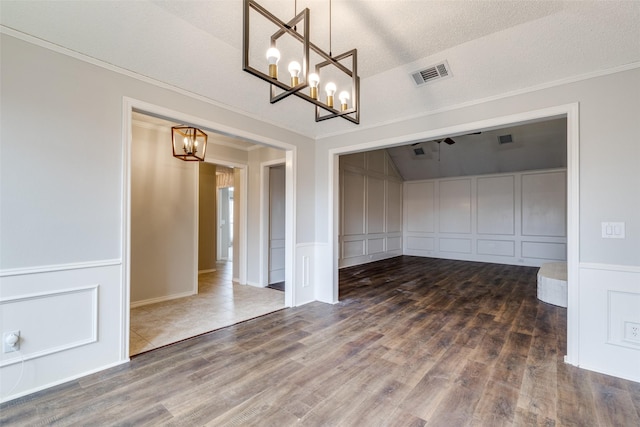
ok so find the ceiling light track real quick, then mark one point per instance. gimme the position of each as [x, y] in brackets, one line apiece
[281, 90]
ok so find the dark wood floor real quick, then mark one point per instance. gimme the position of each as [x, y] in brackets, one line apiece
[413, 341]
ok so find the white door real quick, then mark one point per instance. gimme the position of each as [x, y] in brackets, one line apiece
[276, 223]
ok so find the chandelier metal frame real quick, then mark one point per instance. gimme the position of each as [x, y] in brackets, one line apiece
[351, 114]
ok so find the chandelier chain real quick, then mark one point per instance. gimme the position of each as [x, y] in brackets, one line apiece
[330, 53]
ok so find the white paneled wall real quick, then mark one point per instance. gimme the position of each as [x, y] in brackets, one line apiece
[514, 218]
[370, 208]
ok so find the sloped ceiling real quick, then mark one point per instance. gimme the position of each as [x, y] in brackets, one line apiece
[493, 47]
[540, 145]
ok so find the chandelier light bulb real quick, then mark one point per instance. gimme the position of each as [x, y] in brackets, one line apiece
[330, 88]
[189, 145]
[314, 80]
[273, 56]
[294, 70]
[344, 97]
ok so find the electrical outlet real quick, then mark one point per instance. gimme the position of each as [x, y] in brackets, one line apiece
[9, 338]
[632, 332]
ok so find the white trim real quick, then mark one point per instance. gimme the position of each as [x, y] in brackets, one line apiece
[290, 229]
[242, 228]
[573, 234]
[610, 267]
[131, 104]
[94, 326]
[571, 111]
[210, 270]
[8, 272]
[105, 65]
[163, 298]
[530, 89]
[254, 284]
[196, 231]
[125, 214]
[62, 381]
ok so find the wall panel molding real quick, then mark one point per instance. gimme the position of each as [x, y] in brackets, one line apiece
[9, 272]
[480, 218]
[370, 210]
[83, 299]
[609, 298]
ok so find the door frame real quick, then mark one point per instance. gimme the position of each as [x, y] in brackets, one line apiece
[569, 111]
[129, 105]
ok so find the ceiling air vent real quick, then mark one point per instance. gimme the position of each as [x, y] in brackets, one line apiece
[418, 151]
[430, 74]
[505, 139]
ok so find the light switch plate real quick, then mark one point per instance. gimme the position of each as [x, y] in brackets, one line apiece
[613, 230]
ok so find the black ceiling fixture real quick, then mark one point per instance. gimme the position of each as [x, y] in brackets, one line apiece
[446, 141]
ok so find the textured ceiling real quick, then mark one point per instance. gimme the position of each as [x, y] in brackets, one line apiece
[540, 145]
[493, 47]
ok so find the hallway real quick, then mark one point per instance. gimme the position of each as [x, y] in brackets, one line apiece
[219, 303]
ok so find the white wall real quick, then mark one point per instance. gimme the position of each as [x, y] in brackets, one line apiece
[370, 208]
[64, 205]
[607, 131]
[163, 219]
[517, 218]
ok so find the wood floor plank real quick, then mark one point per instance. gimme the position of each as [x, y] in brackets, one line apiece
[412, 342]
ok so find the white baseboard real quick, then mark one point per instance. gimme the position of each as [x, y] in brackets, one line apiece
[211, 270]
[135, 304]
[255, 284]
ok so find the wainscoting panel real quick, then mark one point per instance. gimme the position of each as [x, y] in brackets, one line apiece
[609, 297]
[394, 243]
[394, 206]
[496, 247]
[545, 250]
[375, 205]
[72, 321]
[455, 206]
[459, 246]
[375, 246]
[370, 209]
[496, 205]
[354, 248]
[420, 243]
[419, 206]
[544, 198]
[70, 324]
[353, 203]
[483, 218]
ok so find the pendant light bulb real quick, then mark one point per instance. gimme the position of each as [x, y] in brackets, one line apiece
[344, 98]
[294, 70]
[273, 56]
[314, 80]
[330, 88]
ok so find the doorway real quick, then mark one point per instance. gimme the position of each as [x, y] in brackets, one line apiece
[330, 291]
[277, 202]
[225, 224]
[212, 299]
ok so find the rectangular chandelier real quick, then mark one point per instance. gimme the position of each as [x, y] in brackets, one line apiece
[291, 39]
